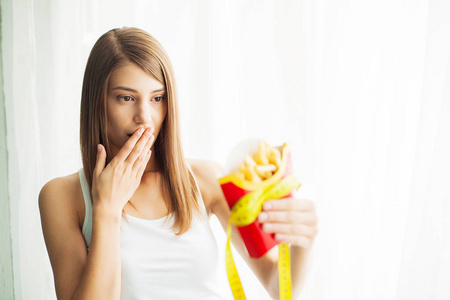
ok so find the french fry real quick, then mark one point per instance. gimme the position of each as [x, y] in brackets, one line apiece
[240, 175]
[261, 156]
[275, 157]
[264, 175]
[242, 170]
[248, 172]
[265, 172]
[262, 165]
[251, 175]
[249, 161]
[266, 168]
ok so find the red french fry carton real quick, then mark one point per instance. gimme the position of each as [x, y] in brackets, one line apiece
[256, 241]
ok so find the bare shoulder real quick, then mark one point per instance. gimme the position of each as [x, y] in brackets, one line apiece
[207, 173]
[61, 195]
[60, 207]
[60, 184]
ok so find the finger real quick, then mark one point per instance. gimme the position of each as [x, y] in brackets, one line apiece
[288, 204]
[139, 147]
[129, 145]
[287, 217]
[290, 229]
[101, 160]
[142, 166]
[301, 241]
[142, 159]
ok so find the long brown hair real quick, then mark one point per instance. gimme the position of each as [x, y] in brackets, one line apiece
[113, 49]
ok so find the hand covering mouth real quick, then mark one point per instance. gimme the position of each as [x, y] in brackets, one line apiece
[130, 134]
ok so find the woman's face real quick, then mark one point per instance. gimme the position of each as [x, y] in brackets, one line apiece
[134, 100]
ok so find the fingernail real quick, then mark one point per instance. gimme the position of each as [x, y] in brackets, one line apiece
[267, 205]
[268, 227]
[99, 148]
[140, 130]
[262, 217]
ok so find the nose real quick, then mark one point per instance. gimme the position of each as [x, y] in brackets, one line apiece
[143, 113]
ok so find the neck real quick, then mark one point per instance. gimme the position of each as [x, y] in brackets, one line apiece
[151, 165]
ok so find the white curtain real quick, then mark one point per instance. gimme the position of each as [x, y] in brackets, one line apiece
[359, 89]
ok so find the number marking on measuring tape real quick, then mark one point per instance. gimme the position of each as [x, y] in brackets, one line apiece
[284, 271]
[245, 212]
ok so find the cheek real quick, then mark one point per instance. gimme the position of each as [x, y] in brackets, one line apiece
[112, 123]
[162, 115]
[116, 115]
[115, 121]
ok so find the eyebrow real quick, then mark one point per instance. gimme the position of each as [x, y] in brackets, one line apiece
[134, 91]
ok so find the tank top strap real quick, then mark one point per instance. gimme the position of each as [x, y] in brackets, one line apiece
[87, 225]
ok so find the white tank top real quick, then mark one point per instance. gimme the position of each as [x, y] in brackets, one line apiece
[156, 263]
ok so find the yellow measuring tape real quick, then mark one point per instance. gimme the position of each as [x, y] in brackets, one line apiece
[245, 212]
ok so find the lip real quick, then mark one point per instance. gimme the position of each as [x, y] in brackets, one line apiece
[130, 134]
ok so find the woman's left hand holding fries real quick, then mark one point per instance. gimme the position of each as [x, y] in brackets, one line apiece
[291, 220]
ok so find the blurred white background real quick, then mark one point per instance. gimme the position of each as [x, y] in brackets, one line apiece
[359, 89]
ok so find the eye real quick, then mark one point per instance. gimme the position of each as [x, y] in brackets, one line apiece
[159, 99]
[124, 98]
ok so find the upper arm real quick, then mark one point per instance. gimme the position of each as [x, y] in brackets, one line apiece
[207, 174]
[63, 237]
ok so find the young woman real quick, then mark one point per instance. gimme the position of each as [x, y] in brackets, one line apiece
[133, 223]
